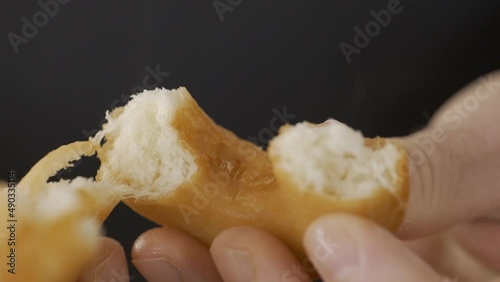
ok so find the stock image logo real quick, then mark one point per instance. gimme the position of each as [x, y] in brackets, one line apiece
[267, 133]
[363, 36]
[223, 6]
[32, 25]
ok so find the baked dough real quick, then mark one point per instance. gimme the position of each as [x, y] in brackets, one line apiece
[56, 225]
[167, 160]
[180, 169]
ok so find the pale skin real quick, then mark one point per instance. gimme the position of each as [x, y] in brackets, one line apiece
[451, 231]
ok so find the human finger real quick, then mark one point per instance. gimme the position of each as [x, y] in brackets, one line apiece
[454, 162]
[164, 254]
[245, 254]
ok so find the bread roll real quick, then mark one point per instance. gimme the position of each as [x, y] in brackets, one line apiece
[166, 159]
[176, 167]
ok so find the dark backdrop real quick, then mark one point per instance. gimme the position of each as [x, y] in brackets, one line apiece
[257, 56]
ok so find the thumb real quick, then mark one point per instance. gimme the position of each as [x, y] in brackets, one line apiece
[455, 161]
[109, 265]
[349, 248]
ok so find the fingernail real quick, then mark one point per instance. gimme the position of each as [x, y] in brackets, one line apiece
[333, 252]
[239, 263]
[112, 268]
[158, 269]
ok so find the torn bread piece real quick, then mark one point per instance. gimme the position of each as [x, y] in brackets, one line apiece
[166, 159]
[53, 227]
[333, 164]
[178, 168]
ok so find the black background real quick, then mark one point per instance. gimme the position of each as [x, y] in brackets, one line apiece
[263, 55]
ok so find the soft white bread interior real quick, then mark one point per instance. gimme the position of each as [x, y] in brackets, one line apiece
[333, 159]
[147, 156]
[178, 168]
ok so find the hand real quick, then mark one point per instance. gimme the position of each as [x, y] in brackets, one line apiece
[455, 182]
[110, 265]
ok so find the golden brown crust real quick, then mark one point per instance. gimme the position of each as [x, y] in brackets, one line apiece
[53, 162]
[235, 185]
[52, 247]
[45, 250]
[36, 179]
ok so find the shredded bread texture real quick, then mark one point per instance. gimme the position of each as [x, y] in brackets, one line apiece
[142, 147]
[333, 159]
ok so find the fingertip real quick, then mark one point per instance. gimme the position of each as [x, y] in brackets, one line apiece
[251, 254]
[330, 241]
[350, 248]
[166, 253]
[149, 242]
[340, 222]
[241, 234]
[228, 234]
[109, 265]
[108, 245]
